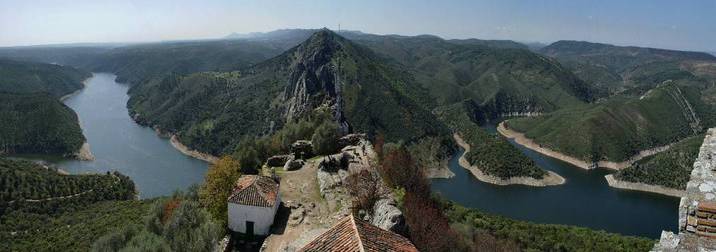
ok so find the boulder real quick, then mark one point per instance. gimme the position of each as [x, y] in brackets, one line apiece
[351, 139]
[326, 181]
[335, 162]
[386, 215]
[294, 164]
[278, 160]
[302, 149]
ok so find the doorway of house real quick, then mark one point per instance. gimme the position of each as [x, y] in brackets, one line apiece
[250, 228]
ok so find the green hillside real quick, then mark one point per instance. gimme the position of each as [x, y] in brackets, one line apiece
[38, 124]
[33, 118]
[24, 181]
[528, 236]
[31, 77]
[621, 126]
[670, 168]
[211, 111]
[69, 231]
[136, 64]
[41, 209]
[497, 80]
[613, 69]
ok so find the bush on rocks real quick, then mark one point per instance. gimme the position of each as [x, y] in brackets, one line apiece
[325, 138]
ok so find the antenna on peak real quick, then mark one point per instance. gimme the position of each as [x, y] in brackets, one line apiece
[339, 27]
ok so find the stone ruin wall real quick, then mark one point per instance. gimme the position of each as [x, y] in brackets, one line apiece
[697, 210]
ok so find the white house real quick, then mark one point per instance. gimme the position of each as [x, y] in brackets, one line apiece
[253, 205]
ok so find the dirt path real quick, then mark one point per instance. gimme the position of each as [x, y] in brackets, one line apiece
[300, 194]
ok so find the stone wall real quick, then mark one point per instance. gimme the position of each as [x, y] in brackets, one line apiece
[697, 210]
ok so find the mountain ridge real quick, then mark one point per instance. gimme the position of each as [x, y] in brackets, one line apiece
[293, 84]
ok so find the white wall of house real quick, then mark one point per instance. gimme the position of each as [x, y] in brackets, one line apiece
[261, 216]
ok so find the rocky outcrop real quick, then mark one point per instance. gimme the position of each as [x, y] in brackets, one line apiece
[335, 162]
[294, 164]
[302, 149]
[387, 215]
[351, 139]
[314, 80]
[331, 176]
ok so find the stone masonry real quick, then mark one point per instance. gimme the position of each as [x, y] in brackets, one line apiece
[697, 210]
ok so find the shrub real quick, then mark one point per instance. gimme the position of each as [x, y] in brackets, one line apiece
[217, 187]
[247, 156]
[364, 188]
[428, 227]
[325, 138]
[188, 227]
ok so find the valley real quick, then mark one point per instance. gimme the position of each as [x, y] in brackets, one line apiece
[167, 114]
[119, 144]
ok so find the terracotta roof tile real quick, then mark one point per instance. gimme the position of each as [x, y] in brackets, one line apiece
[350, 234]
[254, 190]
[708, 206]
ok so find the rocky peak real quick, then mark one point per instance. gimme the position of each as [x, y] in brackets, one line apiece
[313, 79]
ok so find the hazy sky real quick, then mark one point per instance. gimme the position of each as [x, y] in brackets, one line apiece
[686, 25]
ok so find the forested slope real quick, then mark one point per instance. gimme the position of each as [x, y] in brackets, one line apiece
[614, 69]
[42, 209]
[496, 79]
[38, 123]
[211, 111]
[671, 168]
[30, 77]
[33, 118]
[622, 126]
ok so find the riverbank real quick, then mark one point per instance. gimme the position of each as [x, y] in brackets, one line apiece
[440, 172]
[550, 179]
[521, 139]
[626, 185]
[174, 141]
[192, 153]
[84, 153]
[84, 85]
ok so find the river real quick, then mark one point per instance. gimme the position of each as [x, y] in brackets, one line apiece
[584, 200]
[118, 143]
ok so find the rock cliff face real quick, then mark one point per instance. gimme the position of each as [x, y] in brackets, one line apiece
[313, 77]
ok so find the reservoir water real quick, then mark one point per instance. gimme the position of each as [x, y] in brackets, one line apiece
[118, 143]
[584, 200]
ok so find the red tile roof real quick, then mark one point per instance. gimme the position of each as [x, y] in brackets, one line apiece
[254, 190]
[350, 234]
